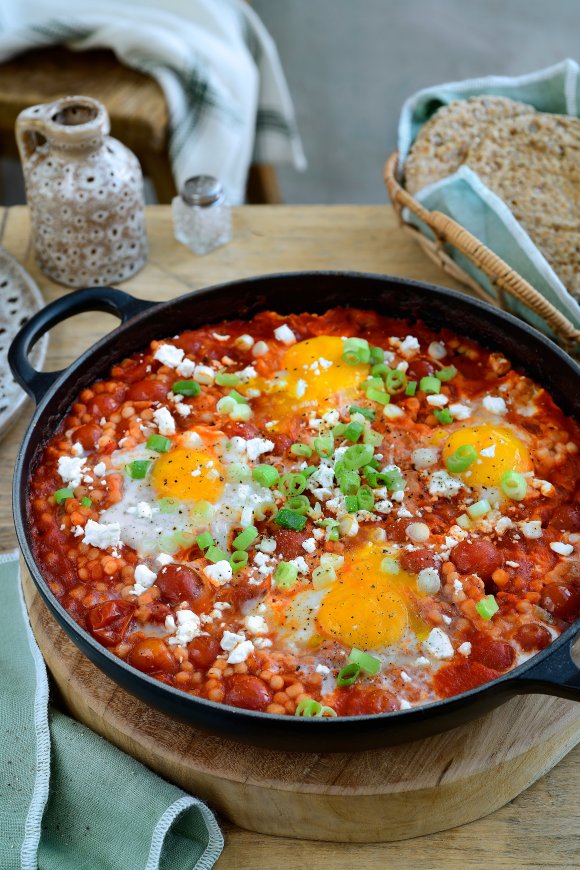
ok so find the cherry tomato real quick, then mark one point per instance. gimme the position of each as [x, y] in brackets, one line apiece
[561, 600]
[152, 654]
[180, 583]
[476, 557]
[244, 690]
[496, 654]
[88, 435]
[532, 636]
[414, 561]
[108, 621]
[203, 651]
[361, 701]
[147, 391]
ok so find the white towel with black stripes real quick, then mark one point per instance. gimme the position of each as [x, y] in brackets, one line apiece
[219, 69]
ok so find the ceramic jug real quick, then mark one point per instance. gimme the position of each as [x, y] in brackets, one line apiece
[85, 193]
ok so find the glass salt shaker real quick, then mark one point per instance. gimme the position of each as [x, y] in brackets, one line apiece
[202, 219]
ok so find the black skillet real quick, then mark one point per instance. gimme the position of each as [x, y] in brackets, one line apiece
[551, 671]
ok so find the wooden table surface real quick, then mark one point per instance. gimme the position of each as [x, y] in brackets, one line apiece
[537, 830]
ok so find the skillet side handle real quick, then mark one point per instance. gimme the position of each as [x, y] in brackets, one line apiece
[108, 299]
[557, 675]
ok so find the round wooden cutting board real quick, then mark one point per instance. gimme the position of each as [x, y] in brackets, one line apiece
[377, 796]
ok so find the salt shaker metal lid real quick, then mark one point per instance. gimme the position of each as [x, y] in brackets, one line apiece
[202, 190]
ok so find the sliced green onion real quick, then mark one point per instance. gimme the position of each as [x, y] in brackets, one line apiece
[444, 415]
[366, 412]
[367, 663]
[366, 499]
[396, 381]
[380, 369]
[461, 459]
[237, 397]
[309, 709]
[226, 379]
[463, 521]
[479, 509]
[159, 443]
[430, 385]
[338, 430]
[514, 485]
[293, 484]
[390, 565]
[378, 396]
[238, 560]
[310, 469]
[411, 388]
[285, 575]
[349, 482]
[62, 494]
[186, 388]
[299, 504]
[353, 431]
[446, 374]
[356, 351]
[214, 554]
[241, 412]
[226, 405]
[290, 520]
[202, 511]
[266, 475]
[138, 469]
[238, 472]
[301, 450]
[324, 446]
[393, 479]
[323, 576]
[85, 501]
[204, 541]
[357, 456]
[348, 675]
[377, 355]
[168, 505]
[373, 438]
[371, 476]
[331, 526]
[487, 606]
[351, 503]
[245, 538]
[376, 382]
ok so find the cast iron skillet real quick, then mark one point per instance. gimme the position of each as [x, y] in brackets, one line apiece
[551, 671]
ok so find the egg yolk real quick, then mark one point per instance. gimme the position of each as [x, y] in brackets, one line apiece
[187, 475]
[315, 374]
[503, 451]
[365, 607]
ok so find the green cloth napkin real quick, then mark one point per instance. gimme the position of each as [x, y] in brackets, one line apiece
[68, 799]
[465, 198]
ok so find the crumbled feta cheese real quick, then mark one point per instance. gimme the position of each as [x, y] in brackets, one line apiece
[144, 576]
[183, 409]
[69, 468]
[408, 347]
[247, 374]
[262, 642]
[322, 669]
[186, 368]
[143, 510]
[256, 624]
[301, 386]
[192, 439]
[267, 545]
[323, 476]
[437, 350]
[488, 451]
[260, 349]
[300, 563]
[561, 548]
[437, 401]
[309, 545]
[164, 420]
[204, 375]
[384, 506]
[257, 446]
[532, 529]
[230, 639]
[442, 484]
[464, 649]
[423, 457]
[100, 469]
[77, 449]
[169, 355]
[325, 363]
[170, 622]
[188, 627]
[438, 645]
[460, 411]
[240, 652]
[404, 704]
[495, 404]
[284, 334]
[102, 535]
[164, 559]
[421, 661]
[220, 572]
[405, 677]
[502, 525]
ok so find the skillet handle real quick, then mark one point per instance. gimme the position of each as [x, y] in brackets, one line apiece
[557, 674]
[108, 299]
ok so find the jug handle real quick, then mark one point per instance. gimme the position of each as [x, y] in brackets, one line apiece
[30, 126]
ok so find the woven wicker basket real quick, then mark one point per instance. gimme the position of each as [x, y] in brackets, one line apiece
[505, 281]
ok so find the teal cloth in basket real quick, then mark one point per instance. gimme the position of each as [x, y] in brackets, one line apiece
[68, 799]
[471, 203]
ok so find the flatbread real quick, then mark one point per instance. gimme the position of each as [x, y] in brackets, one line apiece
[444, 141]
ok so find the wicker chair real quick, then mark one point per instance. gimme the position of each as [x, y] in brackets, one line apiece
[134, 101]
